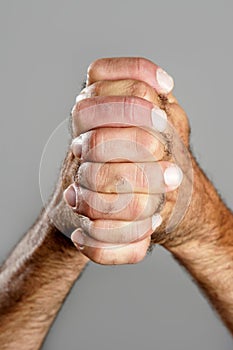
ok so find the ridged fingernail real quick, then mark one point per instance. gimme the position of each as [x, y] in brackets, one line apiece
[173, 176]
[165, 81]
[70, 196]
[76, 146]
[78, 239]
[159, 119]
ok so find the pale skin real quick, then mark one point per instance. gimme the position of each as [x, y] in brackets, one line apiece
[203, 241]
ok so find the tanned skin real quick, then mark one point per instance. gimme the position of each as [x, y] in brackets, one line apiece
[34, 282]
[40, 272]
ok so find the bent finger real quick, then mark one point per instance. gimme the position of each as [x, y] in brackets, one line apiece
[120, 145]
[107, 255]
[119, 232]
[154, 177]
[128, 87]
[124, 206]
[137, 68]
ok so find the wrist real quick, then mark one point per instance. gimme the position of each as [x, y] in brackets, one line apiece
[51, 250]
[207, 221]
[204, 215]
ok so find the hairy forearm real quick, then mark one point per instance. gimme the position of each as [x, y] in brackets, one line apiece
[34, 282]
[208, 254]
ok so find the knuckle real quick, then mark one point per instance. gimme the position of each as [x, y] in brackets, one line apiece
[96, 65]
[137, 206]
[96, 88]
[84, 200]
[104, 177]
[137, 255]
[77, 107]
[75, 114]
[91, 205]
[74, 111]
[95, 148]
[98, 256]
[138, 88]
[82, 104]
[141, 178]
[93, 139]
[84, 175]
[155, 147]
[99, 176]
[92, 67]
[139, 138]
[105, 256]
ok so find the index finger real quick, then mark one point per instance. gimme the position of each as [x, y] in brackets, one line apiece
[137, 68]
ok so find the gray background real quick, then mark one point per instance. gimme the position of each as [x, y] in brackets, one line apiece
[46, 47]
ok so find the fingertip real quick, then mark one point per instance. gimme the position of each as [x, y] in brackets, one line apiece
[70, 196]
[164, 80]
[156, 221]
[159, 119]
[78, 239]
[173, 176]
[76, 146]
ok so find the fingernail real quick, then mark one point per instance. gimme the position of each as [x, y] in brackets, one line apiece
[159, 119]
[165, 81]
[81, 95]
[76, 146]
[70, 196]
[87, 92]
[78, 239]
[156, 221]
[173, 176]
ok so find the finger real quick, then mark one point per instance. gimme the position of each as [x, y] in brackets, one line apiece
[136, 68]
[117, 111]
[117, 231]
[126, 87]
[125, 206]
[121, 254]
[120, 144]
[154, 177]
